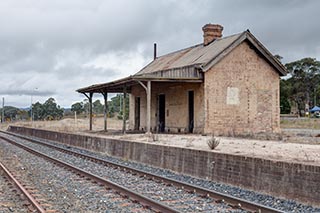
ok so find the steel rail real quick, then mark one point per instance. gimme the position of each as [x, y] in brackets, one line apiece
[136, 197]
[24, 191]
[233, 201]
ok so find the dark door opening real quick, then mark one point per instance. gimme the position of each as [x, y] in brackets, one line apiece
[191, 110]
[137, 114]
[162, 113]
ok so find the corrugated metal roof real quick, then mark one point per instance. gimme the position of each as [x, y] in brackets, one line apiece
[188, 64]
[195, 55]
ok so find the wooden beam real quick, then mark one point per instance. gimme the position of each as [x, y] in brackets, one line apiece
[90, 110]
[124, 110]
[149, 107]
[105, 110]
[168, 79]
[118, 87]
[144, 86]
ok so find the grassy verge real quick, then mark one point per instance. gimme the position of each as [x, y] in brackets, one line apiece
[301, 123]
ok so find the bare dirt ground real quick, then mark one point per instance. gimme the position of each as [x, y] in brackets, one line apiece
[301, 141]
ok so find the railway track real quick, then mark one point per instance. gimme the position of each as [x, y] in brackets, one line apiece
[27, 193]
[147, 204]
[233, 203]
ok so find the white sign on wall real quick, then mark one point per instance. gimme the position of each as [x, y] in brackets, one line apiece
[233, 96]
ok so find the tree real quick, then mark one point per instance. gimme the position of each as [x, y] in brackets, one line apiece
[97, 107]
[47, 111]
[114, 106]
[304, 81]
[51, 110]
[111, 109]
[10, 113]
[37, 111]
[77, 107]
[285, 88]
[86, 106]
[23, 115]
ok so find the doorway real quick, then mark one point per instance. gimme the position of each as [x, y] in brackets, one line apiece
[191, 111]
[162, 113]
[137, 113]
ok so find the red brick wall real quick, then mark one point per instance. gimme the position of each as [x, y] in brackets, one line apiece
[289, 180]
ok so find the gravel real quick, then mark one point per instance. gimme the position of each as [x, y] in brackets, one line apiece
[10, 201]
[267, 200]
[170, 195]
[62, 189]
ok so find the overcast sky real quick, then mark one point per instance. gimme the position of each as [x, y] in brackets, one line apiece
[51, 48]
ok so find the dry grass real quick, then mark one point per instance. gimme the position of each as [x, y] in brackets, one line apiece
[301, 123]
[68, 124]
[82, 124]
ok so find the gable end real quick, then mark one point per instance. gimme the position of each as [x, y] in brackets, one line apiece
[247, 36]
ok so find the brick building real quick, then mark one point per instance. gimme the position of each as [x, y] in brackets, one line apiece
[225, 85]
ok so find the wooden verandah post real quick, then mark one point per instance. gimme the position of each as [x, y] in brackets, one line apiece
[124, 109]
[90, 108]
[149, 107]
[105, 110]
[148, 92]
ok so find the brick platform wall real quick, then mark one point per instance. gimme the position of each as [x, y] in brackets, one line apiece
[289, 180]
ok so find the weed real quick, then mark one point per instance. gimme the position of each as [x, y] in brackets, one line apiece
[213, 142]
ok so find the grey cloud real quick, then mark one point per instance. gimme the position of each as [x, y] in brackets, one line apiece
[26, 92]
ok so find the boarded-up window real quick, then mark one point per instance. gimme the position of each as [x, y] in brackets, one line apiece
[233, 96]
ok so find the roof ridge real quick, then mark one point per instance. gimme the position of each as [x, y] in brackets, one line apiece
[193, 46]
[196, 45]
[185, 49]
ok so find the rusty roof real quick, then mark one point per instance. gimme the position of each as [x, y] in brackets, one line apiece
[198, 57]
[205, 57]
[195, 55]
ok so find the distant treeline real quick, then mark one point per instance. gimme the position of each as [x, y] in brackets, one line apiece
[49, 110]
[114, 107]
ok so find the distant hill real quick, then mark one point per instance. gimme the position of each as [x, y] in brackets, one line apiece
[25, 108]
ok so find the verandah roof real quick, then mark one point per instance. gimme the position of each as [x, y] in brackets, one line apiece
[118, 85]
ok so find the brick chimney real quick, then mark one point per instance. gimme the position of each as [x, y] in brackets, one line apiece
[211, 32]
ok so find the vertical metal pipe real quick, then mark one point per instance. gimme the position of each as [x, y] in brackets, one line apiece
[154, 51]
[124, 110]
[149, 107]
[90, 111]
